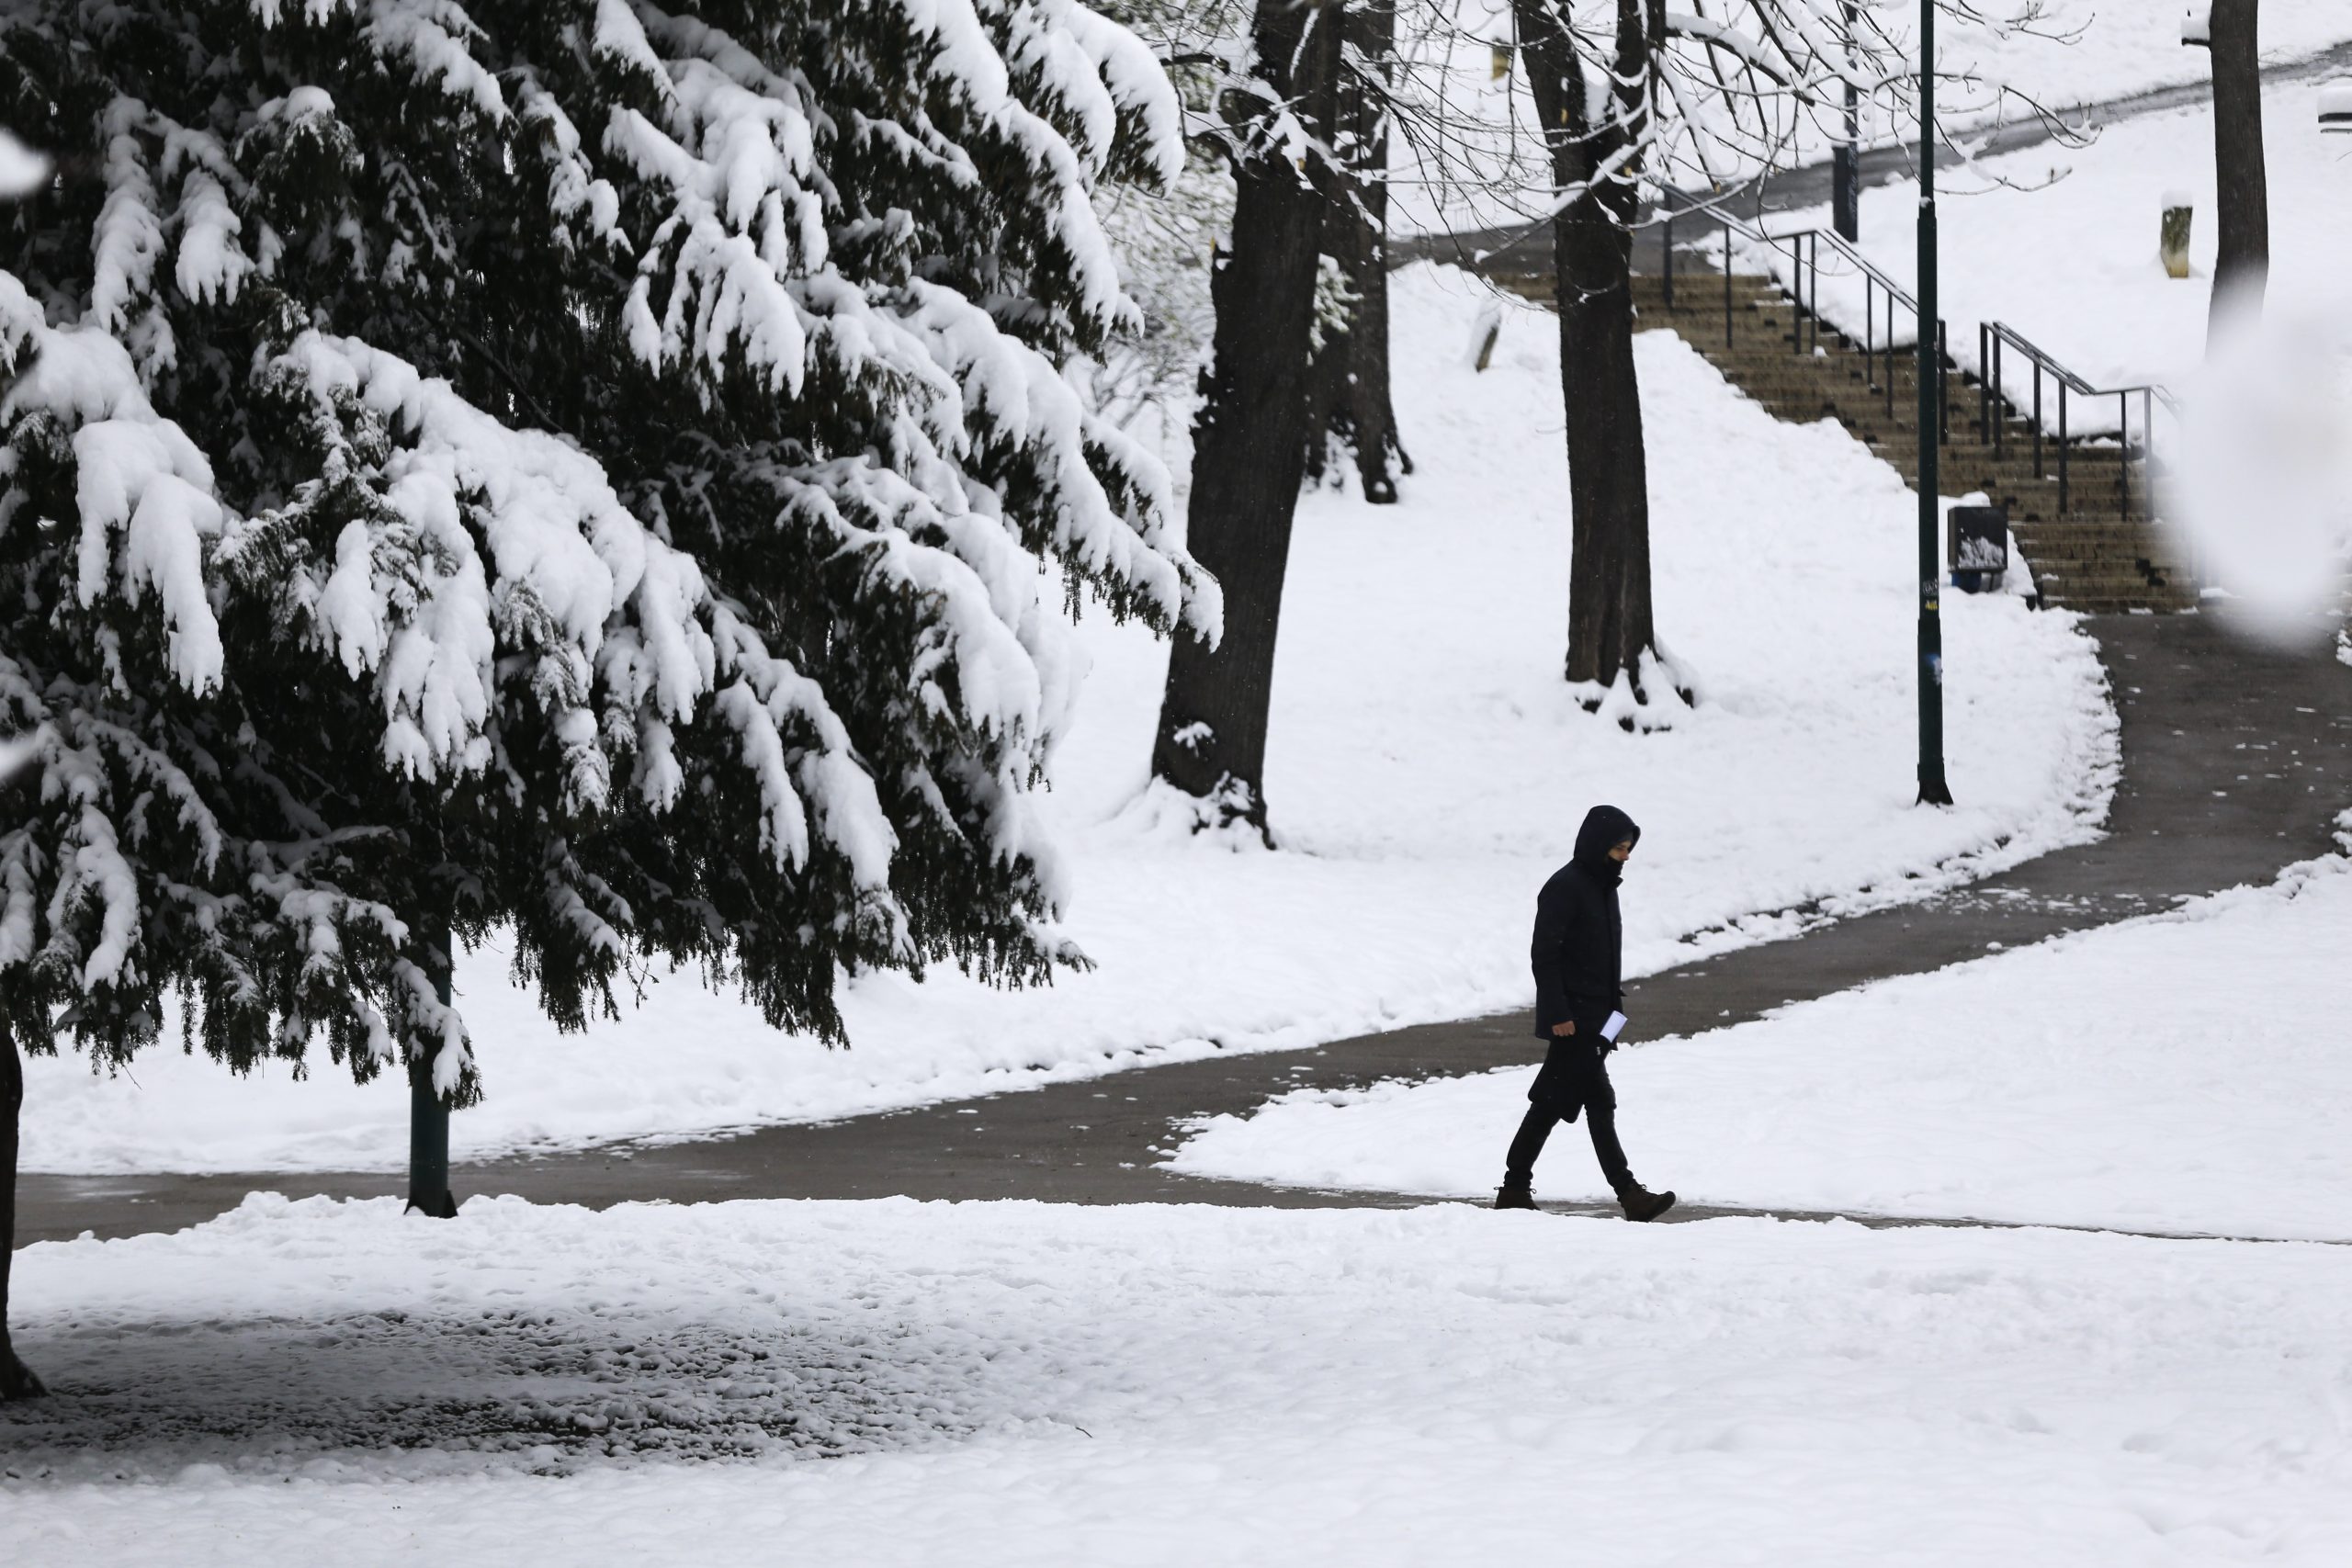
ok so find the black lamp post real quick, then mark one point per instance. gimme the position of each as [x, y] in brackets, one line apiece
[1845, 158]
[1933, 791]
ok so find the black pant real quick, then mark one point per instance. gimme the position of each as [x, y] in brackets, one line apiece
[1574, 1076]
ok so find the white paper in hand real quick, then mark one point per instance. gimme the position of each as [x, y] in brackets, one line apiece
[1608, 1031]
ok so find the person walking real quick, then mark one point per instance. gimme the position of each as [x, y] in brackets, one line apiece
[1577, 954]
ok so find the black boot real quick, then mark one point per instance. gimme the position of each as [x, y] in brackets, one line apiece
[1640, 1203]
[1515, 1195]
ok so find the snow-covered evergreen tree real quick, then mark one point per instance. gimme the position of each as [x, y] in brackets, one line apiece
[571, 465]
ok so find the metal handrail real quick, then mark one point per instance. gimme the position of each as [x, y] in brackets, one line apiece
[1837, 242]
[1992, 338]
[2017, 340]
[1862, 264]
[1803, 246]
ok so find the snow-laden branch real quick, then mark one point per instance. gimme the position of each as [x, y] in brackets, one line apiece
[575, 467]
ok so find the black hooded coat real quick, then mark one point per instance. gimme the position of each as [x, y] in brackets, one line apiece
[1579, 949]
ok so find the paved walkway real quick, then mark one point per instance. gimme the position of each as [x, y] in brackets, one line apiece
[2236, 761]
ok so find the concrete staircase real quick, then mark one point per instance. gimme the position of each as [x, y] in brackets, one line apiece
[2107, 553]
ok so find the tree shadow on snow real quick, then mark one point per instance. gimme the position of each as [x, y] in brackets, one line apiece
[413, 1394]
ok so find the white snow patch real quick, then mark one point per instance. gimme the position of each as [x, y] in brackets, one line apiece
[1016, 1384]
[2179, 1073]
[2073, 265]
[22, 170]
[1486, 167]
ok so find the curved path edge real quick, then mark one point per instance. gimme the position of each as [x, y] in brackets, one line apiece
[2184, 823]
[2190, 816]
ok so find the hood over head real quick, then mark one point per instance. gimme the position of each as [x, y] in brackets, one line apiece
[1604, 829]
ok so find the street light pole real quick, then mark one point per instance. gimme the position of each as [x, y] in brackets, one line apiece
[1933, 791]
[1845, 158]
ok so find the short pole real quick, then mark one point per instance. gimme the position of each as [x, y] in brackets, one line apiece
[2063, 448]
[2037, 419]
[1726, 280]
[1870, 331]
[2123, 457]
[2000, 407]
[1796, 296]
[1889, 354]
[1983, 383]
[1812, 248]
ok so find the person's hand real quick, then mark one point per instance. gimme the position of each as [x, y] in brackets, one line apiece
[1566, 1027]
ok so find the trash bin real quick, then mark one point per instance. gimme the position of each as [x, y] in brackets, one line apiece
[1980, 548]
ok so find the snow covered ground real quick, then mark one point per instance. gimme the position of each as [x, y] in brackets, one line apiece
[893, 1382]
[2181, 1072]
[2074, 267]
[2094, 51]
[1481, 169]
[1426, 771]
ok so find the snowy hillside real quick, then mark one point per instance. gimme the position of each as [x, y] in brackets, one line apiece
[1484, 166]
[2073, 265]
[1426, 771]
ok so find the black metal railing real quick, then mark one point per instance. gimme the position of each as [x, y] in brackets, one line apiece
[1803, 247]
[1995, 340]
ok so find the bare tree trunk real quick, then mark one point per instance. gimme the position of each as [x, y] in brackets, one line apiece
[1352, 408]
[1250, 437]
[1610, 624]
[16, 1380]
[2241, 181]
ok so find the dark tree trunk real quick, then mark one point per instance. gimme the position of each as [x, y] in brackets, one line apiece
[1352, 411]
[428, 1114]
[16, 1380]
[2241, 183]
[1249, 438]
[1609, 626]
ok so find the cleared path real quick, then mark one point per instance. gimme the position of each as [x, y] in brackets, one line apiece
[2236, 761]
[2193, 815]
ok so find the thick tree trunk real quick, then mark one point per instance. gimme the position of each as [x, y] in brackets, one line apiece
[1250, 437]
[1379, 451]
[1610, 624]
[2241, 181]
[16, 1380]
[428, 1114]
[1351, 410]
